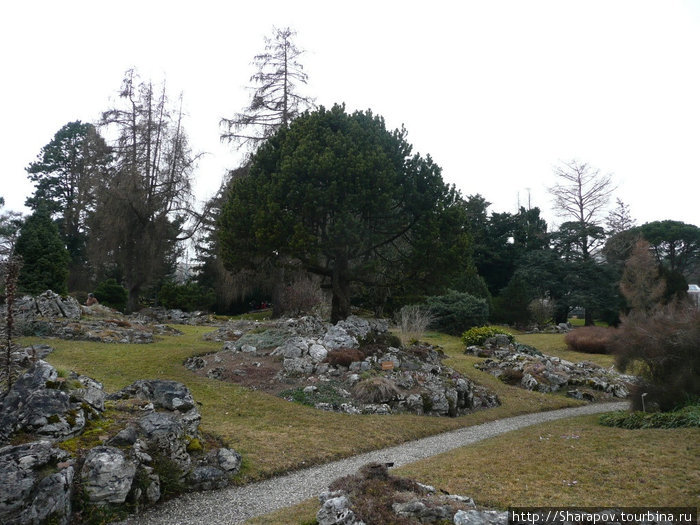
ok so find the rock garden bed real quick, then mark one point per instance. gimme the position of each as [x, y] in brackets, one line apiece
[355, 366]
[71, 453]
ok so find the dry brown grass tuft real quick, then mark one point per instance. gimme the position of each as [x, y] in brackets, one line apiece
[375, 390]
[590, 339]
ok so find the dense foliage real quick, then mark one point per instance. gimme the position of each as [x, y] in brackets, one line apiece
[479, 334]
[110, 293]
[665, 342]
[45, 258]
[455, 312]
[344, 197]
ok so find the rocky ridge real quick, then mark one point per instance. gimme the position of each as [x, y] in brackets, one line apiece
[530, 369]
[355, 366]
[45, 469]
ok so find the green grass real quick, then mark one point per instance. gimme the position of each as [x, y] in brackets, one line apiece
[273, 435]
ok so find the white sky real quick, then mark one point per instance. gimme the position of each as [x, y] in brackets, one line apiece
[497, 92]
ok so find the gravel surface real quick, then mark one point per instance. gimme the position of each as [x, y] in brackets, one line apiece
[237, 504]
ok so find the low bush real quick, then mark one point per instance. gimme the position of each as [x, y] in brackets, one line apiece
[478, 335]
[111, 293]
[375, 390]
[299, 297]
[456, 312]
[187, 297]
[685, 417]
[590, 339]
[665, 342]
[344, 356]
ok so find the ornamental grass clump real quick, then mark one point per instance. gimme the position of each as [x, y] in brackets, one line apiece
[375, 390]
[590, 339]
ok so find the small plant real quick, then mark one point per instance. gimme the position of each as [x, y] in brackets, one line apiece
[8, 368]
[344, 356]
[412, 321]
[375, 390]
[685, 417]
[478, 335]
[590, 339]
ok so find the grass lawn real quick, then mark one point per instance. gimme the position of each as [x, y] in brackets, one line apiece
[571, 462]
[273, 435]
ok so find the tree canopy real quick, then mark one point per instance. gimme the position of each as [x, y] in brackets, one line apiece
[344, 197]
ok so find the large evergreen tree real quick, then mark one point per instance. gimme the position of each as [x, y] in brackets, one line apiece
[66, 174]
[45, 258]
[345, 198]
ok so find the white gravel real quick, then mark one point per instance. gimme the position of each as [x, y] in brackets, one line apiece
[237, 504]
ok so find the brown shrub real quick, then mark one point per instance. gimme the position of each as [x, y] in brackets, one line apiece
[344, 356]
[667, 342]
[511, 376]
[375, 390]
[590, 339]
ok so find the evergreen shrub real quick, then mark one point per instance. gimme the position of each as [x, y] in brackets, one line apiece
[456, 312]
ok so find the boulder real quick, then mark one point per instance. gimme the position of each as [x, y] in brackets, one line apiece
[41, 403]
[169, 395]
[165, 435]
[206, 477]
[107, 475]
[336, 511]
[36, 484]
[337, 337]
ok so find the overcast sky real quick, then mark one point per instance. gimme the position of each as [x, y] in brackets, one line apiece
[497, 92]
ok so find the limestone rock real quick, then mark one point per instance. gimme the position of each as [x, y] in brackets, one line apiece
[206, 477]
[28, 494]
[107, 475]
[480, 517]
[169, 395]
[336, 511]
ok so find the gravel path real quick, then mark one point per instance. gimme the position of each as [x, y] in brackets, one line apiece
[237, 504]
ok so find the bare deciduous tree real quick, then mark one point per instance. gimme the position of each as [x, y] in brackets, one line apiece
[582, 195]
[144, 205]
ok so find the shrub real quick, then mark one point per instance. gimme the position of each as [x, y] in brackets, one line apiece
[478, 335]
[666, 342]
[456, 312]
[375, 390]
[541, 311]
[112, 294]
[188, 297]
[412, 321]
[299, 297]
[685, 417]
[590, 339]
[344, 356]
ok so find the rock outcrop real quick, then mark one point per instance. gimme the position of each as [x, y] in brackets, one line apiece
[526, 367]
[374, 496]
[37, 478]
[355, 366]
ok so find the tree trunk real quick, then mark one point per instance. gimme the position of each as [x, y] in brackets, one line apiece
[340, 284]
[132, 304]
[588, 317]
